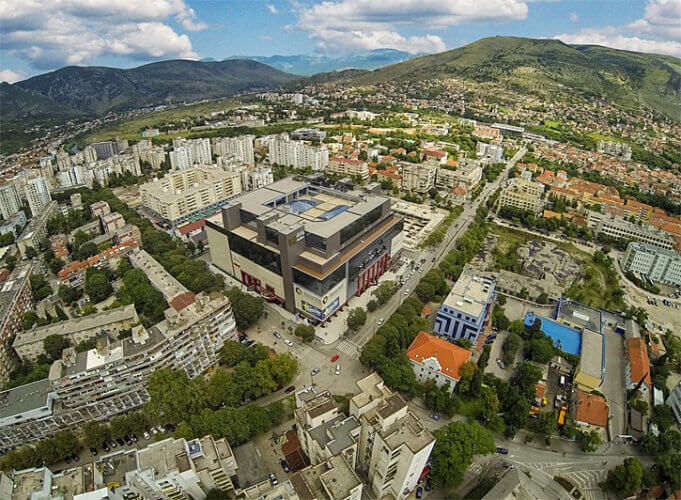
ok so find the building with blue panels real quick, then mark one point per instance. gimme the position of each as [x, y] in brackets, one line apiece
[564, 338]
[463, 312]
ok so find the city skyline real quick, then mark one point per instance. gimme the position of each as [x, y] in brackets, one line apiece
[123, 34]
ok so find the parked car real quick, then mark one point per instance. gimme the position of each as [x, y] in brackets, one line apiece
[113, 444]
[93, 450]
[338, 369]
[501, 364]
[335, 358]
[434, 416]
[162, 430]
[419, 492]
[105, 447]
[67, 460]
[277, 334]
[134, 437]
[492, 337]
[290, 389]
[380, 321]
[284, 465]
[273, 479]
[146, 435]
[315, 371]
[288, 343]
[75, 457]
[170, 427]
[503, 451]
[120, 441]
[406, 292]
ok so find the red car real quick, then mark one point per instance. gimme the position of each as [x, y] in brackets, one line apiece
[334, 358]
[290, 389]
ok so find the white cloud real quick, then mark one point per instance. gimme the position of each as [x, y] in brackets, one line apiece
[9, 76]
[272, 8]
[658, 31]
[339, 25]
[78, 31]
[573, 17]
[265, 37]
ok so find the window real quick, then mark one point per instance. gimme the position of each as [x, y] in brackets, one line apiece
[272, 236]
[358, 226]
[315, 241]
[316, 286]
[260, 255]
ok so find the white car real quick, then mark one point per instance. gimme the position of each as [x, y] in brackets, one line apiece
[146, 435]
[406, 292]
[380, 321]
[288, 343]
[338, 369]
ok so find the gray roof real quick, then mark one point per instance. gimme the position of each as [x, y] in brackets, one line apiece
[591, 361]
[335, 433]
[24, 398]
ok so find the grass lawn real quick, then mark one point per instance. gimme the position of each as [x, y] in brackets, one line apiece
[470, 406]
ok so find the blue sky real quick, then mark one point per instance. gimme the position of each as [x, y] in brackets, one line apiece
[42, 35]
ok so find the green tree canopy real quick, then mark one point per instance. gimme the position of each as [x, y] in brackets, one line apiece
[456, 445]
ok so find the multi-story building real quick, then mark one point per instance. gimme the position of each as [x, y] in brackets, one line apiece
[493, 150]
[418, 177]
[637, 366]
[522, 194]
[180, 158]
[348, 167]
[15, 224]
[177, 296]
[656, 263]
[198, 151]
[10, 203]
[15, 300]
[37, 194]
[323, 430]
[191, 193]
[29, 344]
[261, 177]
[467, 175]
[112, 222]
[619, 149]
[674, 398]
[297, 154]
[73, 274]
[110, 379]
[333, 479]
[308, 134]
[105, 149]
[100, 209]
[619, 228]
[436, 359]
[394, 446]
[307, 247]
[176, 468]
[464, 310]
[36, 231]
[240, 147]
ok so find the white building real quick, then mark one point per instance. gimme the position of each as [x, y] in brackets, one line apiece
[10, 203]
[419, 177]
[37, 194]
[261, 177]
[656, 263]
[674, 398]
[617, 227]
[348, 167]
[523, 194]
[494, 151]
[190, 152]
[180, 158]
[240, 147]
[436, 359]
[297, 154]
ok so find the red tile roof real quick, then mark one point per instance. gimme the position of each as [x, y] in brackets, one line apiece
[192, 226]
[592, 409]
[449, 356]
[638, 360]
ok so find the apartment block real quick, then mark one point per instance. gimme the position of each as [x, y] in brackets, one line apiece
[15, 224]
[190, 152]
[436, 359]
[29, 344]
[348, 167]
[617, 227]
[240, 147]
[306, 247]
[177, 296]
[658, 264]
[112, 222]
[493, 150]
[465, 308]
[15, 300]
[74, 273]
[394, 446]
[10, 202]
[467, 175]
[38, 195]
[333, 479]
[297, 154]
[110, 379]
[674, 398]
[523, 194]
[36, 231]
[261, 177]
[419, 177]
[100, 209]
[619, 149]
[192, 193]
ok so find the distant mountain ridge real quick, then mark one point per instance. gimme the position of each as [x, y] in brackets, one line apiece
[311, 64]
[546, 67]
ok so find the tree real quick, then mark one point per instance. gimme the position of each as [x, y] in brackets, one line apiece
[625, 479]
[66, 443]
[200, 246]
[85, 251]
[541, 350]
[510, 348]
[173, 396]
[247, 308]
[283, 368]
[384, 291]
[31, 253]
[10, 262]
[95, 433]
[232, 353]
[466, 374]
[456, 445]
[356, 318]
[54, 345]
[547, 424]
[589, 441]
[68, 294]
[670, 467]
[119, 426]
[425, 291]
[30, 318]
[40, 288]
[222, 390]
[97, 284]
[306, 332]
[372, 305]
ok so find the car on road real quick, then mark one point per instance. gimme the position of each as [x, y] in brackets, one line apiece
[380, 321]
[335, 358]
[288, 343]
[503, 451]
[406, 292]
[435, 416]
[315, 371]
[284, 465]
[501, 364]
[290, 389]
[338, 368]
[273, 479]
[277, 334]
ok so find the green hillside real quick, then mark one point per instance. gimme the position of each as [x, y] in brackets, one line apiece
[551, 67]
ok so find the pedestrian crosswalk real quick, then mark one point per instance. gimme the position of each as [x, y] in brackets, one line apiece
[348, 348]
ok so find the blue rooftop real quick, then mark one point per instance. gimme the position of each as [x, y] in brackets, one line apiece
[564, 338]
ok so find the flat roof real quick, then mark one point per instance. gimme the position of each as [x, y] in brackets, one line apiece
[251, 470]
[592, 360]
[580, 314]
[24, 398]
[407, 431]
[470, 294]
[335, 433]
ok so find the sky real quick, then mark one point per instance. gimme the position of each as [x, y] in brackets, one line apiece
[37, 36]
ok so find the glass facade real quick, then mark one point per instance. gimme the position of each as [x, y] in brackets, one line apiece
[316, 286]
[315, 241]
[364, 222]
[272, 236]
[245, 216]
[372, 251]
[250, 250]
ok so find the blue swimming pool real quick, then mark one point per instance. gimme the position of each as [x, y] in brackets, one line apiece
[564, 338]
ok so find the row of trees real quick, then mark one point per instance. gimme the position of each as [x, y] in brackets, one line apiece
[432, 287]
[247, 308]
[44, 452]
[467, 246]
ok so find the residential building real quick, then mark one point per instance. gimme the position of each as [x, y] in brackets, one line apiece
[333, 479]
[308, 134]
[15, 300]
[493, 150]
[73, 274]
[37, 194]
[508, 130]
[198, 151]
[180, 158]
[261, 177]
[619, 228]
[240, 147]
[436, 156]
[394, 446]
[36, 230]
[177, 468]
[324, 431]
[177, 296]
[306, 247]
[59, 247]
[191, 193]
[637, 366]
[655, 263]
[29, 344]
[110, 379]
[436, 359]
[419, 177]
[112, 222]
[591, 411]
[360, 115]
[15, 224]
[465, 308]
[105, 149]
[100, 209]
[674, 398]
[348, 167]
[522, 194]
[467, 176]
[619, 149]
[297, 154]
[10, 202]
